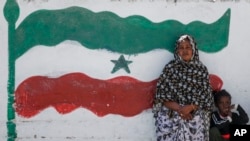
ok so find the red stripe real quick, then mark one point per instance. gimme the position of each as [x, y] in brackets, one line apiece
[121, 95]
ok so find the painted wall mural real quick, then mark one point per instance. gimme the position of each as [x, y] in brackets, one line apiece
[132, 35]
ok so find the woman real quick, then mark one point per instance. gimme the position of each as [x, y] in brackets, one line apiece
[183, 100]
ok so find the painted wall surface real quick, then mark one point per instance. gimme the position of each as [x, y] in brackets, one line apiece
[87, 69]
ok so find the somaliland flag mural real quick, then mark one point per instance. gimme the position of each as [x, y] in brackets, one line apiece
[93, 60]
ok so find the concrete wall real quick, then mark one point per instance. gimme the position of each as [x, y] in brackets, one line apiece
[73, 88]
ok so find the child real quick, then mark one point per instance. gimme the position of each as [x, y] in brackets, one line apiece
[225, 115]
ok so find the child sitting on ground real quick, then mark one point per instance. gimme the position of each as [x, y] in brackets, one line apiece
[225, 115]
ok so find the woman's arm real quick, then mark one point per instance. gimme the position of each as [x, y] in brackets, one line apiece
[184, 111]
[172, 105]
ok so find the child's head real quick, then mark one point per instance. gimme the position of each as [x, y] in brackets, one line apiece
[222, 101]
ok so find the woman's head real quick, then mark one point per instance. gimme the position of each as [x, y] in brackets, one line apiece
[186, 49]
[222, 101]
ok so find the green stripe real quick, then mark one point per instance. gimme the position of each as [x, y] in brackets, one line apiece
[105, 30]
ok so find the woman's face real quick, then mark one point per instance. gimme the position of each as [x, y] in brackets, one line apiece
[185, 50]
[224, 105]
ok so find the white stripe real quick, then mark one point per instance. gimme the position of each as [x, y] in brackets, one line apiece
[70, 56]
[217, 121]
[83, 125]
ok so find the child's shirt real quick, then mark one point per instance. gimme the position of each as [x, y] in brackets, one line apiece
[239, 117]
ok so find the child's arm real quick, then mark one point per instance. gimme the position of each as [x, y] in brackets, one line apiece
[242, 117]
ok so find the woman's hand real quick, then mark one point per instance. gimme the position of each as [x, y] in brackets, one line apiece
[187, 117]
[185, 112]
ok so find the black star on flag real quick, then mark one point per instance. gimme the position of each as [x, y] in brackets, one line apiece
[121, 63]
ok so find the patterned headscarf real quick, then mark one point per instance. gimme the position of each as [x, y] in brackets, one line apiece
[184, 82]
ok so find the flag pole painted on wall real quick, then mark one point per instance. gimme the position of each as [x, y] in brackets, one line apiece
[39, 29]
[11, 13]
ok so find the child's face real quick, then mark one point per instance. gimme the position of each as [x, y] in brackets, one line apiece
[224, 105]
